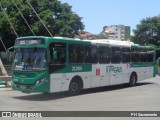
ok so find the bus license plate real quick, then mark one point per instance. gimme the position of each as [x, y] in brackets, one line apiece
[22, 87]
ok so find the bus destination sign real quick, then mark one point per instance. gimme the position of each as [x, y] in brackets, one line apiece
[30, 41]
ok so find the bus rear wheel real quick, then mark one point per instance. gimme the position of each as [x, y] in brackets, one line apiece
[133, 80]
[75, 87]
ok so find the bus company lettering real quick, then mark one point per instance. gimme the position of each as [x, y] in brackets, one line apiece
[76, 68]
[113, 69]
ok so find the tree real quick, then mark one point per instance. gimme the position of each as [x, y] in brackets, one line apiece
[147, 32]
[58, 18]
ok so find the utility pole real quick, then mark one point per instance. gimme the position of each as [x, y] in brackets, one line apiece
[3, 70]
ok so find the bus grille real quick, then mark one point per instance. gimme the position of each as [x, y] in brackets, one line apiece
[25, 75]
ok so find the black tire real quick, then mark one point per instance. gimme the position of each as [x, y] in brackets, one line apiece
[133, 80]
[75, 87]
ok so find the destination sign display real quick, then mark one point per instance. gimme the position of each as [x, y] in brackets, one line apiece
[29, 41]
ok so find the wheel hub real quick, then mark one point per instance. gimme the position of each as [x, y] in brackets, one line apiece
[74, 87]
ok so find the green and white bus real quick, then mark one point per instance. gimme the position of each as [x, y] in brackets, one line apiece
[56, 64]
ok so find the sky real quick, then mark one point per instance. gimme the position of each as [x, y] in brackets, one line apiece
[99, 13]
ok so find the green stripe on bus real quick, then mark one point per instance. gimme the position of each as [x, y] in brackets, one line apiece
[75, 68]
[142, 64]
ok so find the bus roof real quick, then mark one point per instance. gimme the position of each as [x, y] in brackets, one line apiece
[95, 41]
[112, 42]
[25, 37]
[119, 43]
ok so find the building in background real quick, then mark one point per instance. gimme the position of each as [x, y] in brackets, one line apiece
[85, 36]
[117, 32]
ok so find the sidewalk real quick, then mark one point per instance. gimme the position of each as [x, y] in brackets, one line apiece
[5, 89]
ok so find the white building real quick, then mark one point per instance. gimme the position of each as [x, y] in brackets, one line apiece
[116, 32]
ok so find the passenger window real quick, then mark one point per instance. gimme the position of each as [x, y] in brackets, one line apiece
[115, 54]
[150, 55]
[91, 54]
[76, 53]
[134, 55]
[60, 50]
[125, 55]
[104, 54]
[143, 55]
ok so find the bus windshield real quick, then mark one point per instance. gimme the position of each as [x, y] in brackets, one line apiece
[30, 59]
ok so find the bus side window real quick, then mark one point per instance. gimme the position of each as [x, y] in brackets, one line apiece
[76, 53]
[108, 52]
[87, 54]
[62, 56]
[143, 55]
[72, 53]
[80, 54]
[115, 54]
[91, 54]
[94, 56]
[104, 54]
[125, 55]
[60, 50]
[150, 55]
[134, 55]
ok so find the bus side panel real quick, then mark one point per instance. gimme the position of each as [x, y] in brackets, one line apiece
[150, 72]
[60, 82]
[104, 75]
[139, 72]
[126, 72]
[55, 82]
[143, 72]
[146, 73]
[85, 77]
[115, 74]
[95, 75]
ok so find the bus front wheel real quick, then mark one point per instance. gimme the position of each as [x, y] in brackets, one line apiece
[133, 80]
[75, 87]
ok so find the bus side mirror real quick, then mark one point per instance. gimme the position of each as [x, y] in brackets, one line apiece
[54, 55]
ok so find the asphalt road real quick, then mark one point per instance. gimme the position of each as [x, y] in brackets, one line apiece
[145, 96]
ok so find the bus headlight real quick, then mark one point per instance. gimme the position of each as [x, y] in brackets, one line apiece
[37, 82]
[41, 80]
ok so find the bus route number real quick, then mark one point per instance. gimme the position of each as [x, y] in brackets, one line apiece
[76, 68]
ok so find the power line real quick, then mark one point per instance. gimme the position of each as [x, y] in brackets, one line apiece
[39, 18]
[9, 20]
[23, 17]
[3, 44]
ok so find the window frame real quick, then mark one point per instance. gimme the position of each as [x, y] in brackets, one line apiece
[136, 53]
[77, 52]
[129, 59]
[120, 56]
[88, 58]
[107, 54]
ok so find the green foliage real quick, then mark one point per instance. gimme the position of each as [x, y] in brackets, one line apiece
[58, 18]
[147, 32]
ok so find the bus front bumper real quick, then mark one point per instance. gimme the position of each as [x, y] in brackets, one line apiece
[31, 88]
